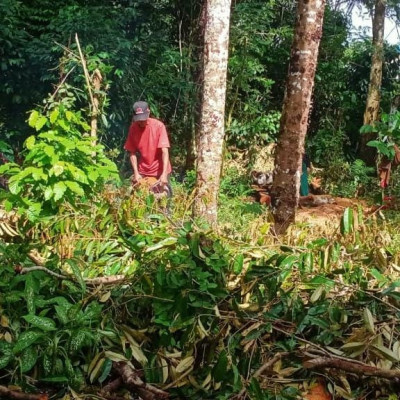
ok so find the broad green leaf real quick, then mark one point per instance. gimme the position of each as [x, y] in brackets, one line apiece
[48, 193]
[59, 189]
[6, 354]
[220, 369]
[54, 115]
[41, 121]
[77, 273]
[26, 339]
[43, 323]
[75, 187]
[28, 359]
[77, 340]
[30, 142]
[57, 169]
[238, 264]
[347, 221]
[33, 118]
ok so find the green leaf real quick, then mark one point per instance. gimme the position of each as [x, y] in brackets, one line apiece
[28, 359]
[30, 142]
[77, 273]
[41, 121]
[30, 289]
[33, 118]
[238, 264]
[6, 354]
[48, 193]
[77, 340]
[59, 189]
[106, 370]
[219, 372]
[26, 339]
[75, 187]
[43, 323]
[57, 169]
[54, 115]
[347, 221]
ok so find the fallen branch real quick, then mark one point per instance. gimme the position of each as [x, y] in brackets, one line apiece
[111, 387]
[102, 280]
[349, 366]
[131, 379]
[7, 393]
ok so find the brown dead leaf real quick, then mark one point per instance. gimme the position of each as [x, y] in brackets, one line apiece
[318, 392]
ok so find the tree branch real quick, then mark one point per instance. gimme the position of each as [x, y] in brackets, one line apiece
[133, 381]
[350, 366]
[13, 394]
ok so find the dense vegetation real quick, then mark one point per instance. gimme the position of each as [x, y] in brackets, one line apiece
[93, 277]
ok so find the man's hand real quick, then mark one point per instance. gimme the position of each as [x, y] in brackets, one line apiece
[163, 179]
[136, 178]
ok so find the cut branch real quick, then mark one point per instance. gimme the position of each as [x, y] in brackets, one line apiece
[133, 381]
[102, 280]
[350, 366]
[7, 393]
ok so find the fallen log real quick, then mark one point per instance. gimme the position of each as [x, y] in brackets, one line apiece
[7, 393]
[357, 368]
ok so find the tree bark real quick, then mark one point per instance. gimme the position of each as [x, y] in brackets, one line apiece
[212, 120]
[295, 113]
[368, 154]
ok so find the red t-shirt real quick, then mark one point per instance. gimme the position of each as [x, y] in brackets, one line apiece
[148, 141]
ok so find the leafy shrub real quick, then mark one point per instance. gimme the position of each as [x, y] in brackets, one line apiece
[259, 130]
[61, 164]
[349, 179]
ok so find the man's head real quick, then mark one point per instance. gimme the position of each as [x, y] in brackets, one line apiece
[141, 112]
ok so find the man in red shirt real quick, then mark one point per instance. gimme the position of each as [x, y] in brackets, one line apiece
[148, 145]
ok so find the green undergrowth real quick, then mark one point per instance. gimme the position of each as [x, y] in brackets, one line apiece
[197, 312]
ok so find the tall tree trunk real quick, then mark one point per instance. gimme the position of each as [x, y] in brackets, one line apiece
[368, 154]
[296, 106]
[211, 129]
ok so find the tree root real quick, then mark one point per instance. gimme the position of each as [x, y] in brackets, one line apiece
[13, 394]
[357, 368]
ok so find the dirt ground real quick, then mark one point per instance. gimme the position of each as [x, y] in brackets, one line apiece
[331, 212]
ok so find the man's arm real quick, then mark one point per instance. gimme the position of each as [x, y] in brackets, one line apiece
[165, 163]
[134, 162]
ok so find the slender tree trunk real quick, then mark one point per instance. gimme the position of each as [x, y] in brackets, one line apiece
[96, 80]
[212, 130]
[368, 154]
[296, 106]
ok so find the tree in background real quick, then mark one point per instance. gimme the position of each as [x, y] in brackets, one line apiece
[295, 113]
[212, 118]
[375, 82]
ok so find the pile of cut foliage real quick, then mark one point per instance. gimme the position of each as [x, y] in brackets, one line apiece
[112, 296]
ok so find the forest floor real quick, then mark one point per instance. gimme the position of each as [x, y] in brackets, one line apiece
[331, 212]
